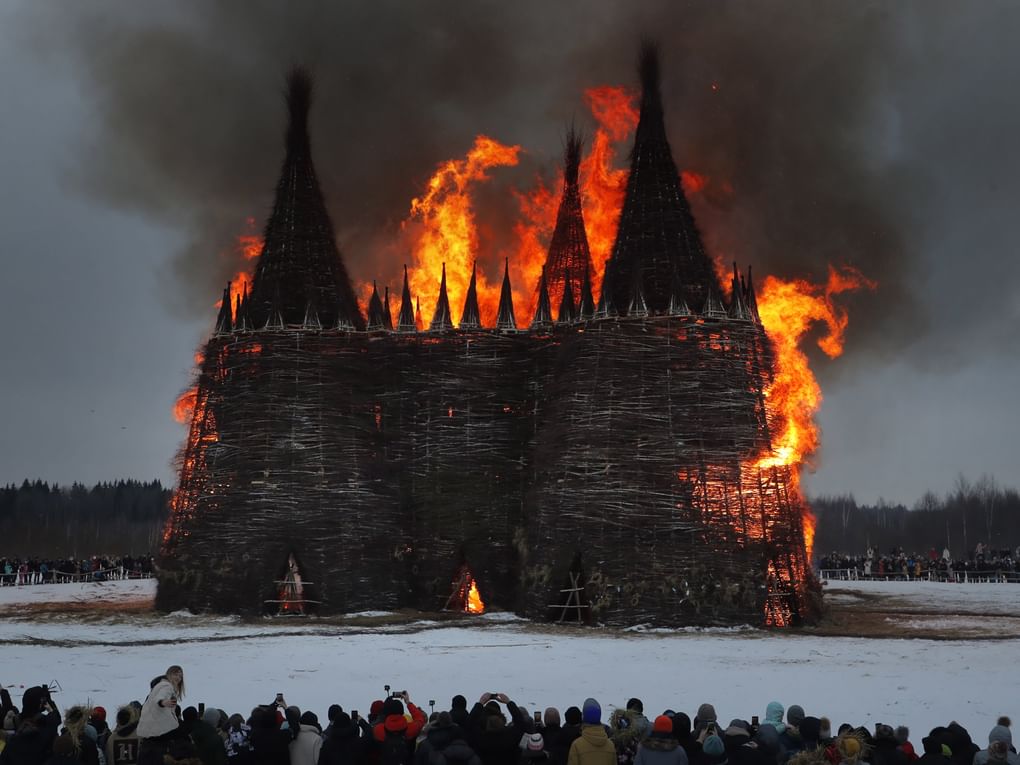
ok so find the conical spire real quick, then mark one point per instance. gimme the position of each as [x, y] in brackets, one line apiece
[299, 258]
[738, 305]
[569, 256]
[274, 318]
[751, 299]
[657, 232]
[543, 314]
[586, 309]
[441, 320]
[405, 320]
[224, 321]
[376, 315]
[677, 304]
[713, 308]
[637, 305]
[566, 314]
[387, 316]
[505, 319]
[242, 316]
[604, 309]
[470, 317]
[419, 323]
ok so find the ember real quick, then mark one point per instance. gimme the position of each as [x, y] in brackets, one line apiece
[653, 425]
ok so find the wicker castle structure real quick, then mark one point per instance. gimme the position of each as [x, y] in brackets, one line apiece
[605, 464]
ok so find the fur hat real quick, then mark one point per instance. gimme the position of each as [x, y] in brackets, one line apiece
[591, 712]
[663, 725]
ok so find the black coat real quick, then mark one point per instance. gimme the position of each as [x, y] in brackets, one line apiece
[346, 744]
[270, 746]
[33, 743]
[497, 746]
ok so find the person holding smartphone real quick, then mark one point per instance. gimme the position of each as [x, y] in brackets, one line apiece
[159, 720]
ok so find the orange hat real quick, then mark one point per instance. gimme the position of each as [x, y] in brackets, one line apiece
[662, 724]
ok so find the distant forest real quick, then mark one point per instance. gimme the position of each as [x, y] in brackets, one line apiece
[127, 518]
[122, 518]
[971, 512]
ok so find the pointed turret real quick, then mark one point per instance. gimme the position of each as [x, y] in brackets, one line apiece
[637, 305]
[567, 314]
[376, 315]
[605, 309]
[657, 233]
[224, 321]
[441, 319]
[506, 321]
[677, 304]
[751, 299]
[569, 257]
[405, 320]
[713, 308]
[274, 317]
[300, 259]
[419, 323]
[738, 304]
[242, 316]
[543, 313]
[312, 316]
[586, 309]
[387, 316]
[470, 317]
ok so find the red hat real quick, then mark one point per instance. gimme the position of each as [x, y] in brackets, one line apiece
[662, 724]
[98, 713]
[376, 708]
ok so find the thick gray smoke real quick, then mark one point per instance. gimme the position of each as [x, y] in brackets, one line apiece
[873, 134]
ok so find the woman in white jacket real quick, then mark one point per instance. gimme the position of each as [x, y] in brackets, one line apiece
[158, 721]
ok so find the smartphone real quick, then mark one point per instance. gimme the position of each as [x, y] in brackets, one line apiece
[538, 716]
[279, 698]
[354, 715]
[754, 720]
[201, 708]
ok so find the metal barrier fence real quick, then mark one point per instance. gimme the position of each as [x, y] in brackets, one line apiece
[22, 579]
[960, 577]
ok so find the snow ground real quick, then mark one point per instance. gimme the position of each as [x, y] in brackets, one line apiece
[108, 659]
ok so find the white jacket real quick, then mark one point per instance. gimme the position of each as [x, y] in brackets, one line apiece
[304, 750]
[156, 720]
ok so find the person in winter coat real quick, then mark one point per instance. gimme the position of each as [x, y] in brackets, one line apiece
[84, 748]
[660, 747]
[158, 722]
[63, 752]
[960, 744]
[593, 747]
[682, 733]
[496, 742]
[932, 747]
[347, 743]
[98, 721]
[395, 736]
[207, 741]
[238, 741]
[1000, 749]
[40, 723]
[885, 748]
[269, 744]
[628, 727]
[774, 716]
[445, 744]
[122, 743]
[306, 745]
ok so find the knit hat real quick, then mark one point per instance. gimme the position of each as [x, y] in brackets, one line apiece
[713, 746]
[310, 718]
[99, 714]
[572, 716]
[535, 743]
[794, 714]
[706, 714]
[393, 707]
[458, 702]
[636, 705]
[663, 724]
[591, 712]
[376, 708]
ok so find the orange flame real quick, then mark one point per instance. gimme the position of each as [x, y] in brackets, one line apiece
[249, 247]
[473, 602]
[448, 233]
[788, 310]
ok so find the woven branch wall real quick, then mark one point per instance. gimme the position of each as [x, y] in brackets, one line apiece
[384, 462]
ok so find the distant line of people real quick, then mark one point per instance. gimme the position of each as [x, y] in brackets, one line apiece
[493, 731]
[931, 565]
[24, 571]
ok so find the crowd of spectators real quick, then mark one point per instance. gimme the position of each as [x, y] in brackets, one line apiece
[983, 562]
[23, 571]
[493, 731]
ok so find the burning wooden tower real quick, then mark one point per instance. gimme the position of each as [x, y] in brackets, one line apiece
[610, 463]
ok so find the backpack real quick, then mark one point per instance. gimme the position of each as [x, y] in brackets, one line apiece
[394, 749]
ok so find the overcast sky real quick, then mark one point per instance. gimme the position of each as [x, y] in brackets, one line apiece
[135, 138]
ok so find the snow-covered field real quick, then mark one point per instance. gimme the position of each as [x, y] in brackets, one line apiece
[109, 658]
